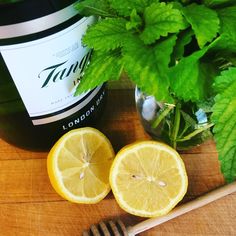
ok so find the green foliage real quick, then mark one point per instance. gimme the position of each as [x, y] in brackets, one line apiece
[125, 7]
[224, 117]
[188, 73]
[160, 20]
[217, 3]
[173, 50]
[103, 67]
[144, 63]
[227, 18]
[106, 35]
[224, 80]
[184, 38]
[135, 21]
[199, 13]
[96, 8]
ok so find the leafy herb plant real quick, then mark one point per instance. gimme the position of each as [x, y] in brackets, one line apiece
[178, 51]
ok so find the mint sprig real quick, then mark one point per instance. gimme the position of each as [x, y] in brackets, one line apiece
[175, 50]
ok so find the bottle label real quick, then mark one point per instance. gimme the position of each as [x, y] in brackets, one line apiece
[46, 72]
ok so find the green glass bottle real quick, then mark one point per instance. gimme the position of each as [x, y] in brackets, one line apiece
[41, 62]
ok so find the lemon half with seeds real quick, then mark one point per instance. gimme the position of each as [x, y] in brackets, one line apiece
[148, 178]
[78, 165]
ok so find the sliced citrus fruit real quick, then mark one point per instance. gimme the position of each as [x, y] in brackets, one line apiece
[78, 165]
[148, 178]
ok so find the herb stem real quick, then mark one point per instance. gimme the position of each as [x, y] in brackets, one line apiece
[163, 114]
[175, 130]
[186, 126]
[194, 133]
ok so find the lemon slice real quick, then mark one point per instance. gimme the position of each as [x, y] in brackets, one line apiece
[78, 165]
[148, 178]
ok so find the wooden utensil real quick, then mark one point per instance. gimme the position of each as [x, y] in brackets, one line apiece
[117, 228]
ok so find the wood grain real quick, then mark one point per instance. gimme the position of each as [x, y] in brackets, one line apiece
[30, 206]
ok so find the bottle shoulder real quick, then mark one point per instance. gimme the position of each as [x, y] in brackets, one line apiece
[25, 10]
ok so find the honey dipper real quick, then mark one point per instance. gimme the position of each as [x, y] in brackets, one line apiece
[117, 227]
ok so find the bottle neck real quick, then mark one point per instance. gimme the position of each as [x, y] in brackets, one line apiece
[45, 18]
[24, 10]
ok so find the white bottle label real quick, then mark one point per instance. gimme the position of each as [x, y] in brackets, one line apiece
[47, 70]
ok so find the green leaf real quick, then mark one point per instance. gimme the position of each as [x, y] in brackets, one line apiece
[204, 22]
[160, 20]
[163, 50]
[222, 82]
[188, 77]
[107, 34]
[224, 117]
[184, 38]
[228, 29]
[215, 3]
[103, 67]
[135, 21]
[97, 8]
[147, 66]
[125, 7]
[227, 17]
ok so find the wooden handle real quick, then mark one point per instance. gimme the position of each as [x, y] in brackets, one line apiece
[182, 209]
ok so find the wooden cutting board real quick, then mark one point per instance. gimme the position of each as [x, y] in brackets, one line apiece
[29, 205]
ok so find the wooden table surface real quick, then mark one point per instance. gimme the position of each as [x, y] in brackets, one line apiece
[30, 206]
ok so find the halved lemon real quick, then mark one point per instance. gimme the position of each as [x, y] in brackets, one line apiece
[78, 165]
[148, 178]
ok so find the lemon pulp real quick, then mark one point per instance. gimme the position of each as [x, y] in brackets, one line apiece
[148, 178]
[78, 165]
